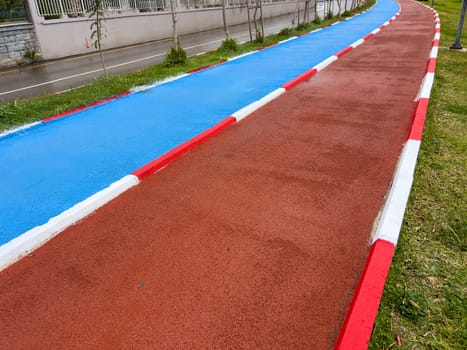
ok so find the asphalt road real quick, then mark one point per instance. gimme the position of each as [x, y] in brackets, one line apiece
[59, 75]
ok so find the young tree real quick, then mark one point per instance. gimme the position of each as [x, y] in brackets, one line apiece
[97, 28]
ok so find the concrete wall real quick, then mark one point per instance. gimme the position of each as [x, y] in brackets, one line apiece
[14, 38]
[71, 36]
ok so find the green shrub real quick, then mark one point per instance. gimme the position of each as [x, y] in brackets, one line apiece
[176, 56]
[228, 45]
[317, 20]
[346, 13]
[285, 32]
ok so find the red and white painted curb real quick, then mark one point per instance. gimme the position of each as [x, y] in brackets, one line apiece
[357, 328]
[37, 236]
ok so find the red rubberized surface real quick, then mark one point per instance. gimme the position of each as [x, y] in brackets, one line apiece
[79, 109]
[255, 239]
[416, 131]
[431, 67]
[178, 151]
[358, 325]
[344, 51]
[301, 78]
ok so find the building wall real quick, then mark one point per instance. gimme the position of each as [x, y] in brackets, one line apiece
[71, 36]
[14, 38]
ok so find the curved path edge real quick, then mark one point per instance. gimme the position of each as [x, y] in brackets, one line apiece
[360, 317]
[34, 238]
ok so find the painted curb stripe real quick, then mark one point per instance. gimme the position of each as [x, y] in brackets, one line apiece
[320, 66]
[390, 222]
[158, 83]
[344, 51]
[358, 325]
[19, 130]
[301, 78]
[368, 36]
[200, 69]
[418, 123]
[431, 67]
[425, 91]
[247, 110]
[39, 235]
[357, 43]
[163, 161]
[79, 109]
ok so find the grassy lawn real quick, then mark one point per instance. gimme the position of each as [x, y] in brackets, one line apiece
[424, 305]
[21, 112]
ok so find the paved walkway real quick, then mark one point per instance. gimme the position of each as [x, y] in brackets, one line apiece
[255, 239]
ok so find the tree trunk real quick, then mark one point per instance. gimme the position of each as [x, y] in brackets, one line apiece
[306, 12]
[249, 19]
[255, 21]
[262, 18]
[224, 18]
[174, 25]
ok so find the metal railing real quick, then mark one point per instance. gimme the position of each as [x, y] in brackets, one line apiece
[53, 9]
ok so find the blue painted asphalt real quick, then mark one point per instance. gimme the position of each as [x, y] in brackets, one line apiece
[48, 169]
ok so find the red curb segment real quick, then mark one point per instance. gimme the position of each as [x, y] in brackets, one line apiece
[431, 67]
[368, 36]
[382, 27]
[79, 109]
[344, 51]
[267, 47]
[436, 42]
[181, 149]
[358, 325]
[419, 117]
[301, 78]
[206, 67]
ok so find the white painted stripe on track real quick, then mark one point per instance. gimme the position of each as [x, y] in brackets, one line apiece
[157, 83]
[376, 31]
[21, 128]
[247, 110]
[357, 43]
[325, 63]
[434, 52]
[39, 235]
[391, 218]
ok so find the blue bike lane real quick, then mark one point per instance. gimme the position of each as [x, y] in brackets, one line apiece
[48, 169]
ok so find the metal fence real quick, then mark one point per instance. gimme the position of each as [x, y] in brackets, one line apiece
[52, 9]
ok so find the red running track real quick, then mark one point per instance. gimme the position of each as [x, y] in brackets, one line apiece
[254, 239]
